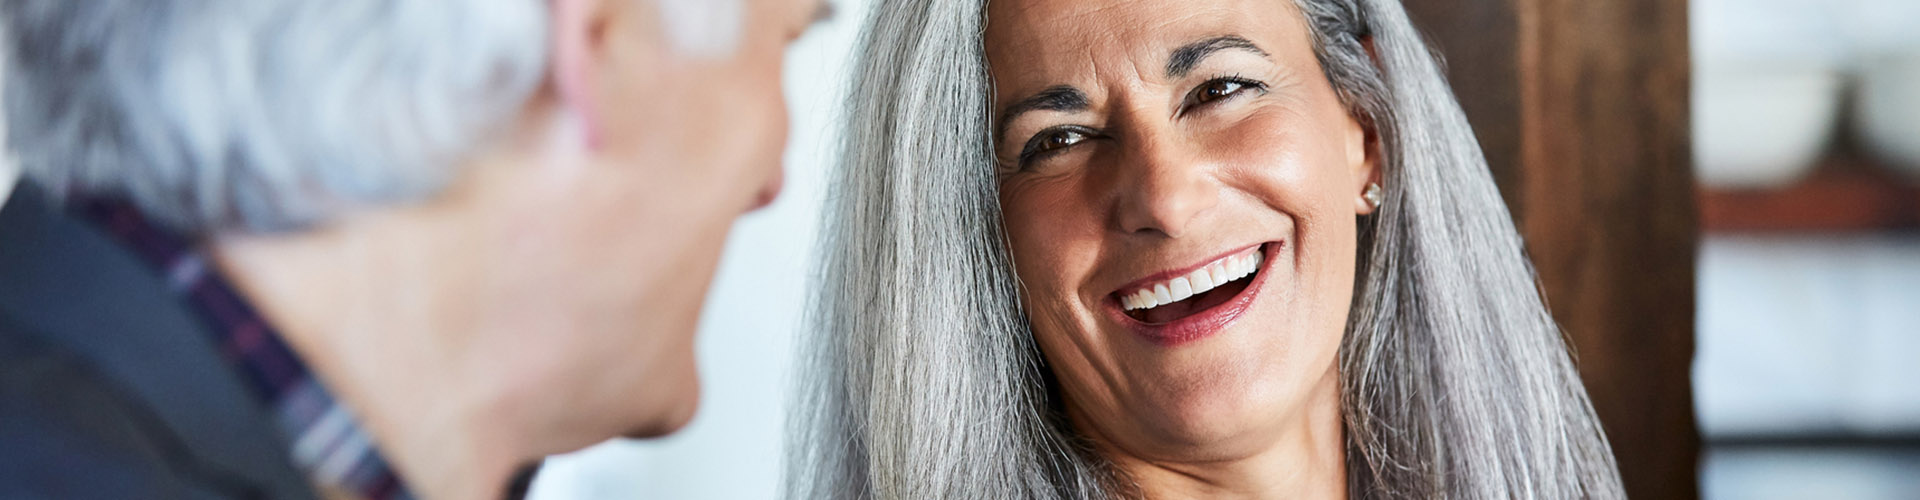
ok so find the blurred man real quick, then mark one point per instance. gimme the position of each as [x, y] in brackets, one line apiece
[365, 248]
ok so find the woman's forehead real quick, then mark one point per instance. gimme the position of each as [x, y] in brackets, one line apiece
[1119, 24]
[1035, 44]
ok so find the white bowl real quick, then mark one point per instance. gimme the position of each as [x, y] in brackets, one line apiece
[1887, 109]
[1761, 126]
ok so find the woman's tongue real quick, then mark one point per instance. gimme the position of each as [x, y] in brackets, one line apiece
[1199, 302]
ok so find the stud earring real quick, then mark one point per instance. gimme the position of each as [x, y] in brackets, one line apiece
[1372, 194]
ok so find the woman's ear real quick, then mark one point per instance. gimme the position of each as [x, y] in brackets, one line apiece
[1363, 150]
[578, 31]
[1363, 160]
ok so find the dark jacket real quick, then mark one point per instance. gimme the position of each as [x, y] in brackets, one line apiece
[109, 386]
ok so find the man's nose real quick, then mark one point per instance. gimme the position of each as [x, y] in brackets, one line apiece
[782, 129]
[770, 190]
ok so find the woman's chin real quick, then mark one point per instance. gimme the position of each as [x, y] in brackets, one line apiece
[1201, 427]
[1227, 405]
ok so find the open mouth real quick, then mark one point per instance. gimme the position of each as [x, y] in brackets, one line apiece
[1215, 283]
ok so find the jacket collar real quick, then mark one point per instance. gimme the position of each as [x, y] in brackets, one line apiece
[76, 288]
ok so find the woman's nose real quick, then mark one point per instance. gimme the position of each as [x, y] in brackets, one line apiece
[1164, 186]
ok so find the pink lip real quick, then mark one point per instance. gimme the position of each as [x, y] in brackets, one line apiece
[1202, 324]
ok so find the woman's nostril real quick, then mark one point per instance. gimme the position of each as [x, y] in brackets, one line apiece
[1165, 212]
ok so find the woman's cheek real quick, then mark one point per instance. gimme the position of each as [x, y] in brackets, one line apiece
[1054, 239]
[1278, 163]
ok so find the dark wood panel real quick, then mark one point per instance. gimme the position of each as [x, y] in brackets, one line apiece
[1587, 131]
[1476, 44]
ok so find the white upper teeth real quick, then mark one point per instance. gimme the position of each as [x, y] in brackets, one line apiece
[1199, 281]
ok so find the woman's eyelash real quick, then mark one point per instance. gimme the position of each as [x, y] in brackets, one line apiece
[1035, 148]
[1195, 97]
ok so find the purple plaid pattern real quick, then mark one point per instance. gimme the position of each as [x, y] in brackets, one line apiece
[328, 444]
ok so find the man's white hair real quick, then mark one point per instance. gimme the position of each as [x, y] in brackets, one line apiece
[268, 115]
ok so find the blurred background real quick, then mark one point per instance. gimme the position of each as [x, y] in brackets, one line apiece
[1805, 145]
[1806, 134]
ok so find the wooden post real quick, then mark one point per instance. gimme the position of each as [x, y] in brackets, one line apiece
[1582, 107]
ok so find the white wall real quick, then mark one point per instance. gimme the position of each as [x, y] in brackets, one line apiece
[733, 448]
[1808, 333]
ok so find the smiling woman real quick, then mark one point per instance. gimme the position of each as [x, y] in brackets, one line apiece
[1176, 249]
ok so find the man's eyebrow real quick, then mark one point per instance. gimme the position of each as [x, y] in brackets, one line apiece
[1055, 98]
[1187, 56]
[823, 13]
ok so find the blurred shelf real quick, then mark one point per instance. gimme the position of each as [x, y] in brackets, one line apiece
[1834, 439]
[1843, 194]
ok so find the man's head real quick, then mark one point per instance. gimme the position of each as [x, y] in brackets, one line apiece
[568, 168]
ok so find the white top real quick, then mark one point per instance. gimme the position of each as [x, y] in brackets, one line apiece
[9, 174]
[9, 169]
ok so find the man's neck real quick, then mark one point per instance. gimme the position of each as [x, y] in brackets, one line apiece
[357, 308]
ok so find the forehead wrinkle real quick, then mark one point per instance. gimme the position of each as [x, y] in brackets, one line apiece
[1185, 58]
[1131, 86]
[1099, 51]
[1033, 59]
[1158, 38]
[1084, 11]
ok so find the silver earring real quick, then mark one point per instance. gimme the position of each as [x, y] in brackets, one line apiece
[1372, 194]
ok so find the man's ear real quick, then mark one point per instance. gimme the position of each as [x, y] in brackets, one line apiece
[1366, 42]
[578, 41]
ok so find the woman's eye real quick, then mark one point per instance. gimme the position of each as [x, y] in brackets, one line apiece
[1221, 88]
[1050, 141]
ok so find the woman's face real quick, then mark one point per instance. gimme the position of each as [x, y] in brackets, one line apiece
[1195, 151]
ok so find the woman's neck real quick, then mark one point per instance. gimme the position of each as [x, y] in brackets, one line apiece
[1306, 461]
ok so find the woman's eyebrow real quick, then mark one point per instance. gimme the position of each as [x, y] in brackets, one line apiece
[1055, 98]
[1187, 56]
[1067, 98]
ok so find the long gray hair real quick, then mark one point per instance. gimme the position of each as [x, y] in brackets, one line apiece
[1455, 381]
